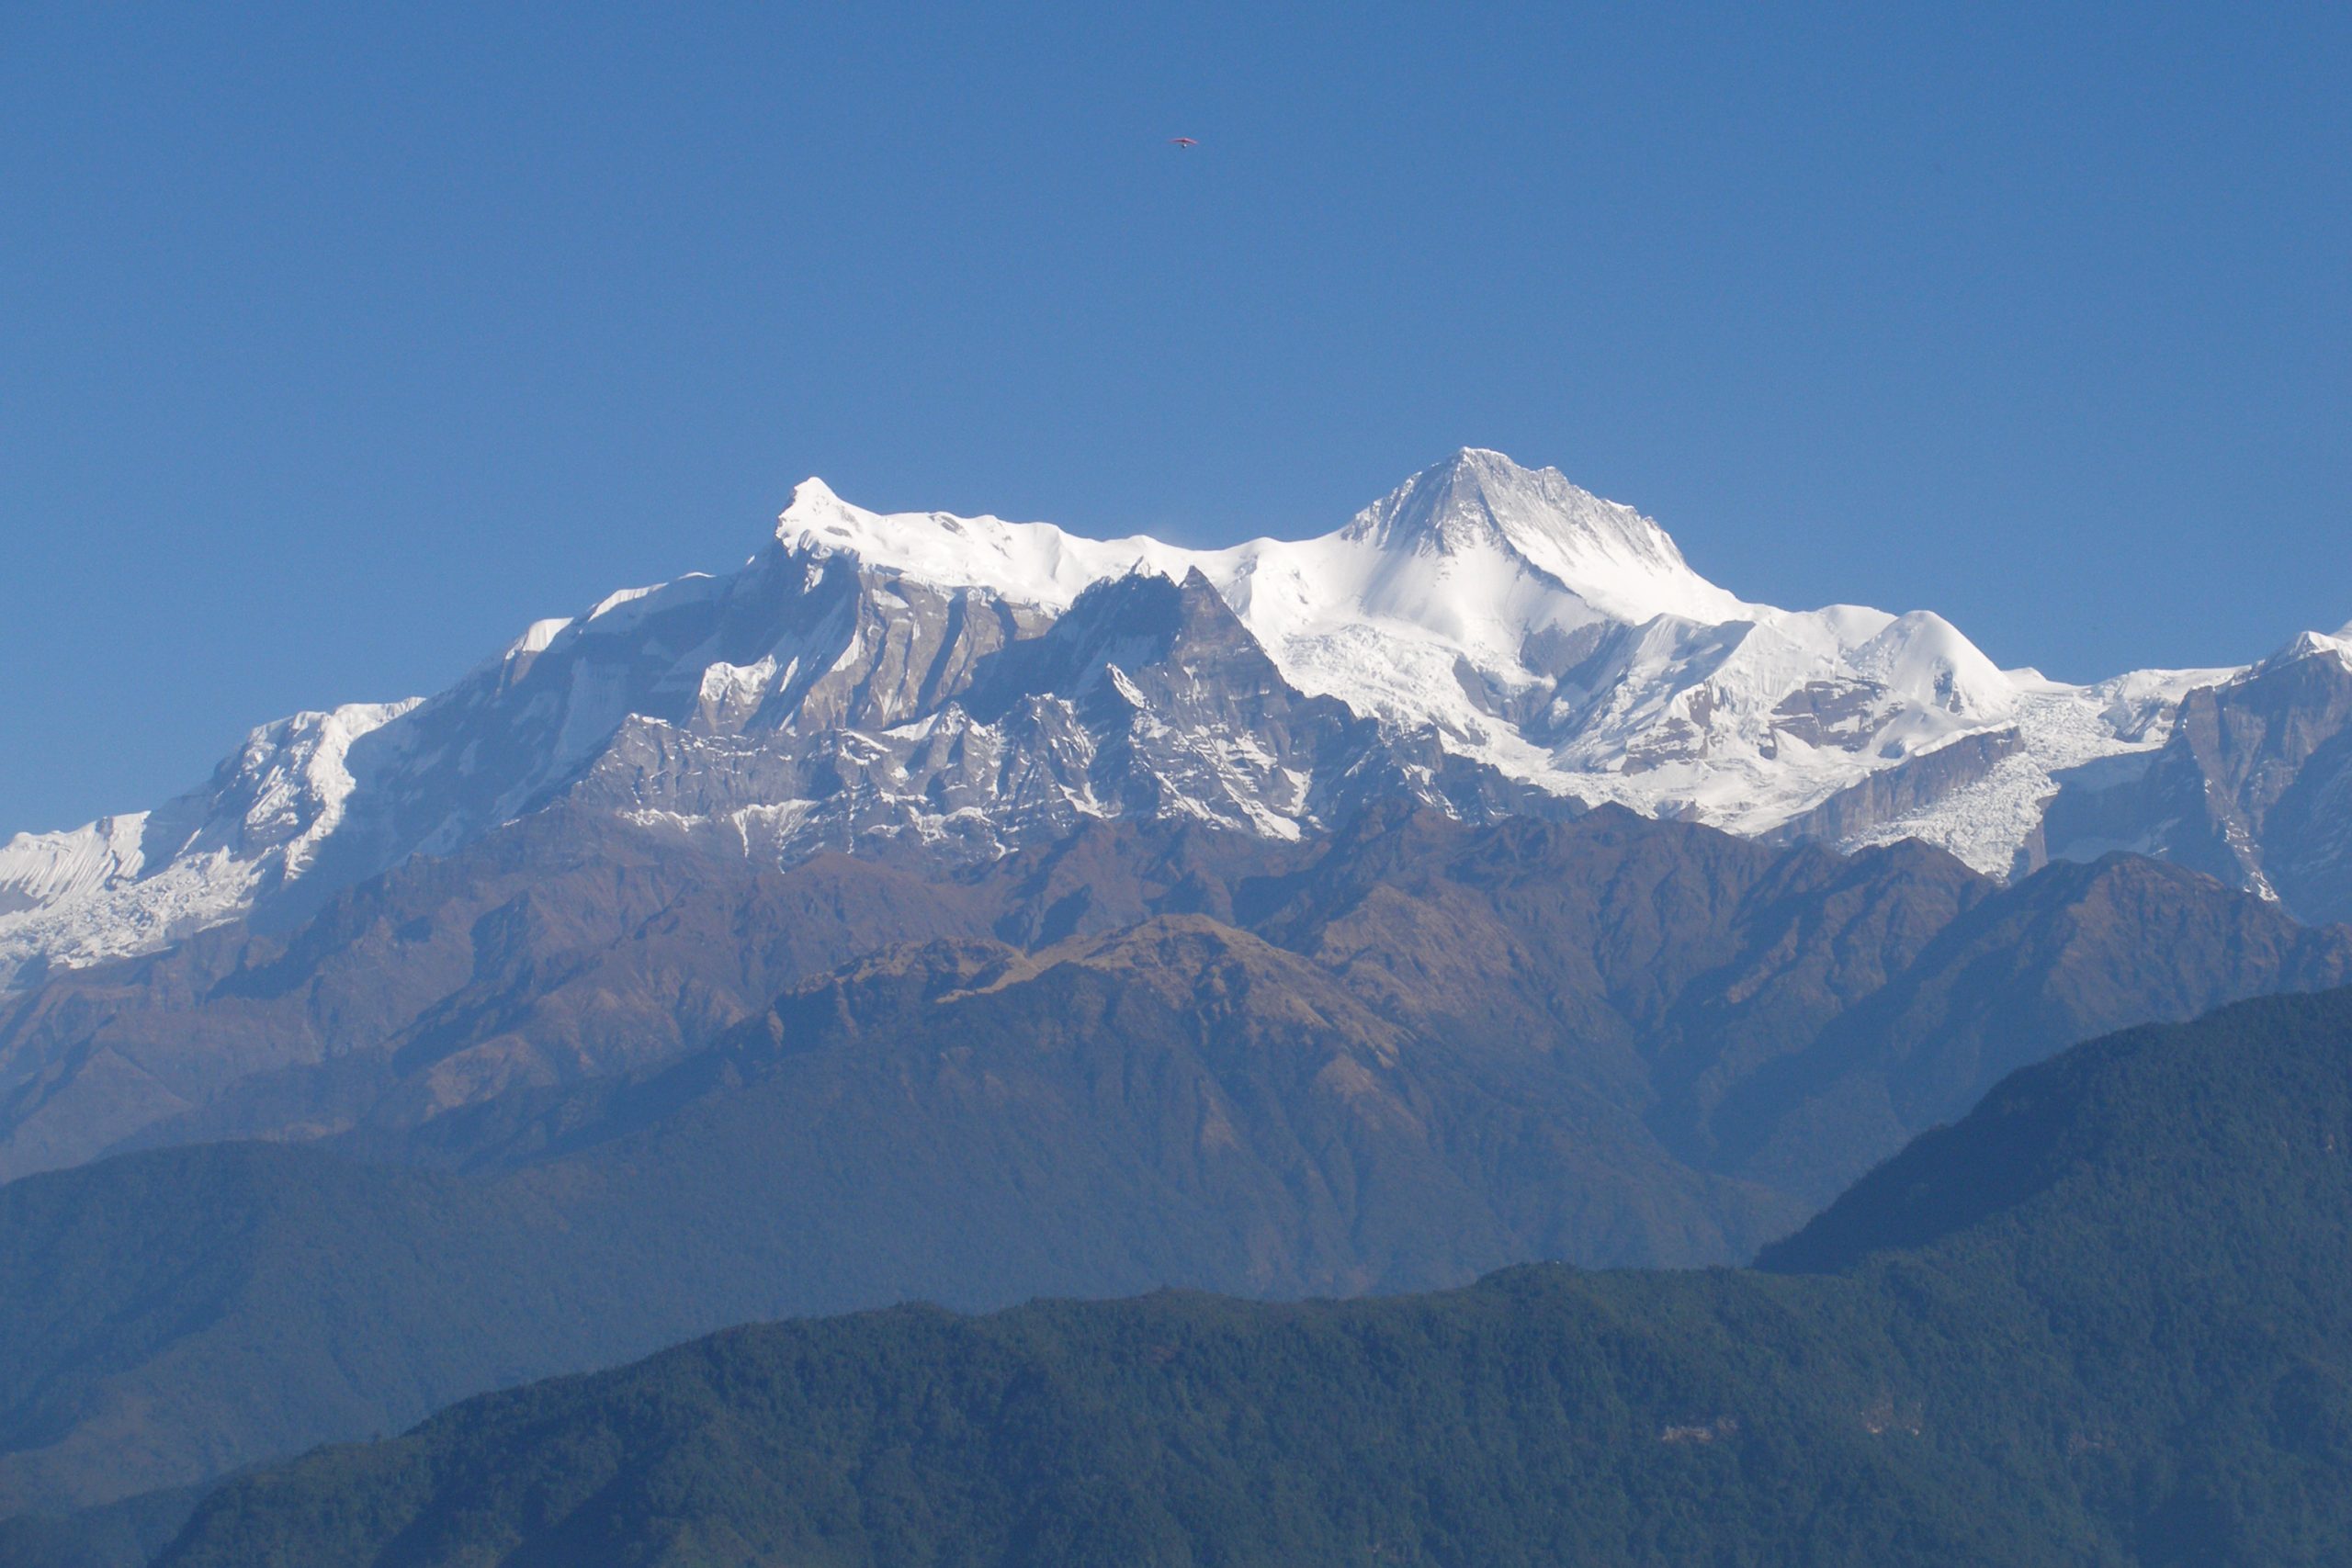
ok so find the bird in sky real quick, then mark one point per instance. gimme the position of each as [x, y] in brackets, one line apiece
[1181, 141]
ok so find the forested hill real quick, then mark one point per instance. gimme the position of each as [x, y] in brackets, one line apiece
[2102, 1320]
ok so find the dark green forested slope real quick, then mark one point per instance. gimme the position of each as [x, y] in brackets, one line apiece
[2104, 1319]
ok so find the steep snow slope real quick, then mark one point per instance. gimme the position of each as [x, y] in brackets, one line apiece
[134, 882]
[859, 683]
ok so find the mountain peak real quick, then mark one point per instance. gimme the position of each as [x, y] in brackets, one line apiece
[1480, 501]
[813, 505]
[2311, 645]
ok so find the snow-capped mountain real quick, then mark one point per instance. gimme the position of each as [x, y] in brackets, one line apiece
[1562, 641]
[2253, 785]
[1485, 639]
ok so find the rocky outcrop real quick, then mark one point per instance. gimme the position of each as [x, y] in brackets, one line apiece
[1913, 785]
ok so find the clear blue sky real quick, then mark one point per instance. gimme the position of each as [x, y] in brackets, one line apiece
[337, 343]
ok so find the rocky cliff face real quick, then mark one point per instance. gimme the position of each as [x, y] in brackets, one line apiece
[1147, 699]
[2253, 786]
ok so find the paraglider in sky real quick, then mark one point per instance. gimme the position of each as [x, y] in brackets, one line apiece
[1181, 141]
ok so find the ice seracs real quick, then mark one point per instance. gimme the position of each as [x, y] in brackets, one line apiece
[1485, 637]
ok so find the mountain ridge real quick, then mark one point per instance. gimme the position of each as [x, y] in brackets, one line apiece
[575, 944]
[1540, 647]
